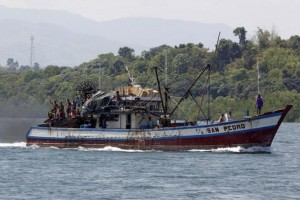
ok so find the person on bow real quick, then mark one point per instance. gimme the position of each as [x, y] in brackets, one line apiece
[259, 104]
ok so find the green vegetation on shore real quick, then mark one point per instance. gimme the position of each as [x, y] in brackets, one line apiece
[24, 93]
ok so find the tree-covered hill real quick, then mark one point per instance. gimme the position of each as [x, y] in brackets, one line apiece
[234, 80]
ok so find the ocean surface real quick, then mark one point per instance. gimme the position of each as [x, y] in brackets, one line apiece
[112, 173]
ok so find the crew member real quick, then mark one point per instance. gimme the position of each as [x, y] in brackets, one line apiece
[259, 104]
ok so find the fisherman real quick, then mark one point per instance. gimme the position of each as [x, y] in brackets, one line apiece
[73, 113]
[55, 105]
[221, 118]
[57, 117]
[259, 104]
[74, 105]
[51, 116]
[77, 112]
[150, 122]
[61, 111]
[102, 120]
[228, 117]
[118, 98]
[69, 107]
[78, 102]
[92, 121]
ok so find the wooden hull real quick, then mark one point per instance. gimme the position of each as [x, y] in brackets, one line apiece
[255, 131]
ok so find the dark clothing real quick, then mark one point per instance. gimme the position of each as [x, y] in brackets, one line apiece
[61, 108]
[259, 104]
[69, 107]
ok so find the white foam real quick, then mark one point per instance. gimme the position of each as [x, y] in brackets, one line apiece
[34, 146]
[200, 150]
[116, 149]
[236, 150]
[15, 144]
[257, 149]
[109, 148]
[229, 149]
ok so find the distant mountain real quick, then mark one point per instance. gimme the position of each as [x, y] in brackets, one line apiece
[153, 32]
[52, 44]
[64, 38]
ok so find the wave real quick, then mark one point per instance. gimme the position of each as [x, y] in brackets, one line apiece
[110, 148]
[236, 150]
[15, 144]
[116, 149]
[107, 148]
[218, 150]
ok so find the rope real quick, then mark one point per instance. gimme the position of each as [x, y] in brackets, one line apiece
[179, 107]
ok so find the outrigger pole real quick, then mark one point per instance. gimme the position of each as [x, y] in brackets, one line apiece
[160, 94]
[188, 90]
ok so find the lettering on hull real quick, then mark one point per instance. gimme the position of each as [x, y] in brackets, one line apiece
[226, 128]
[234, 127]
[213, 130]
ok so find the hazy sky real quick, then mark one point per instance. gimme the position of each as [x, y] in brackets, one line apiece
[279, 15]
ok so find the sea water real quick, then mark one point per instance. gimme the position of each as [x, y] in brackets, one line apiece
[112, 173]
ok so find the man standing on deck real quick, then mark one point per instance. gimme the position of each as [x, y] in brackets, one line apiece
[259, 104]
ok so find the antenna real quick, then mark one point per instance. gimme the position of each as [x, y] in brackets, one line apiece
[31, 51]
[99, 64]
[209, 76]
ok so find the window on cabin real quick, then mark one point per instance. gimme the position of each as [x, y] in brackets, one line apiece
[152, 107]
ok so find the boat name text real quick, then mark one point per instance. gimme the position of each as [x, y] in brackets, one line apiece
[226, 128]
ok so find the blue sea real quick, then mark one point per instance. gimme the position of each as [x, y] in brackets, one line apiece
[112, 173]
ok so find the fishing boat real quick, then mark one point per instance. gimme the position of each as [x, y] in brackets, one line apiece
[136, 117]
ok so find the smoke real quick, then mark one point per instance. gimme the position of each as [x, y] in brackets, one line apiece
[11, 109]
[15, 129]
[16, 119]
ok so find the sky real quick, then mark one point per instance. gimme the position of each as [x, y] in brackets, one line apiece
[280, 16]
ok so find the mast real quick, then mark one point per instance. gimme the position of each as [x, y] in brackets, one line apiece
[208, 95]
[209, 73]
[166, 67]
[99, 76]
[258, 77]
[166, 92]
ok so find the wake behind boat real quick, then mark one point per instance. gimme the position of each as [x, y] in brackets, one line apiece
[134, 117]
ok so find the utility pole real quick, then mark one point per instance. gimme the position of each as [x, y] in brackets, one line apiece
[31, 51]
[99, 64]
